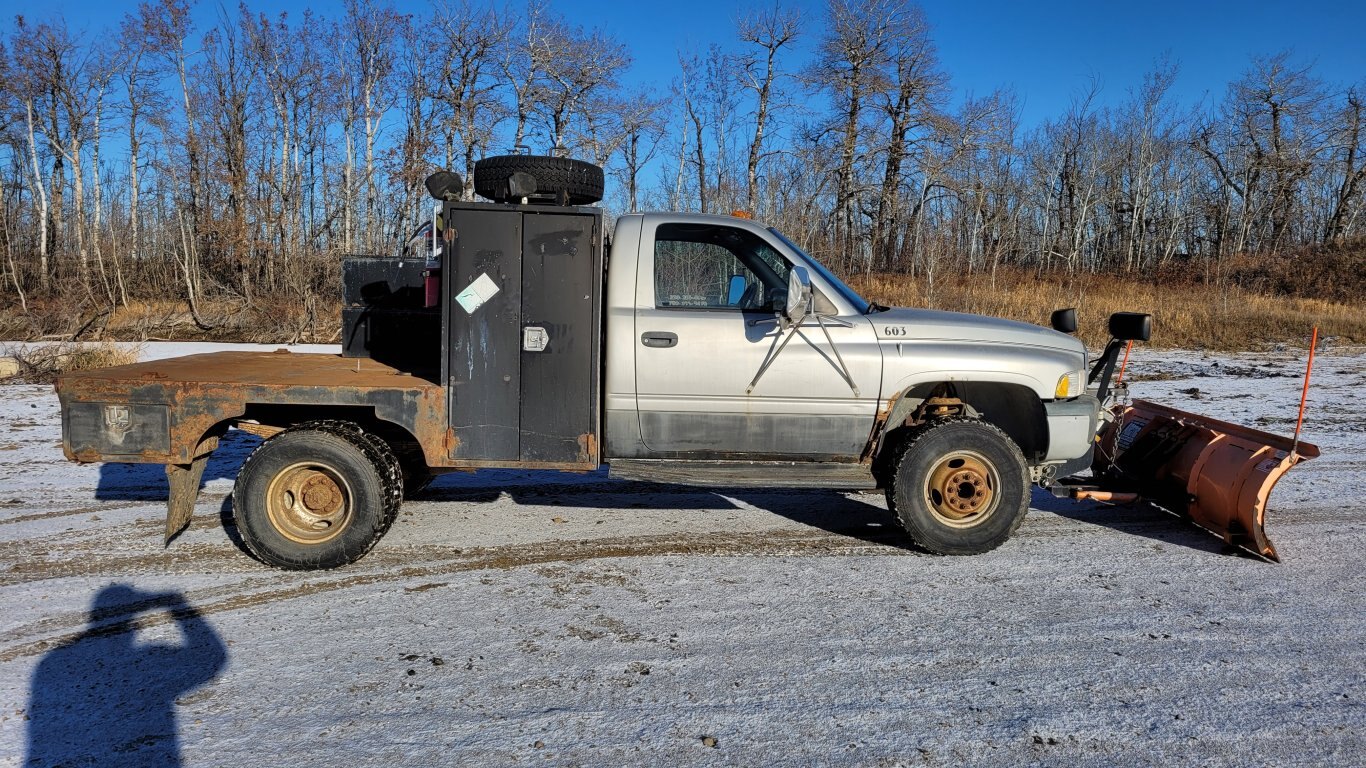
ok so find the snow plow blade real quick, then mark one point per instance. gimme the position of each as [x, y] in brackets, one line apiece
[1217, 474]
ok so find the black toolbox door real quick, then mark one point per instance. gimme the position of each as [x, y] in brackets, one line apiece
[560, 285]
[484, 369]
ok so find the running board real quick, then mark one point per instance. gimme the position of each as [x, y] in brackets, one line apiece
[745, 474]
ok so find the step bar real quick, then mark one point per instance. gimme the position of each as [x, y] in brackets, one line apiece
[745, 474]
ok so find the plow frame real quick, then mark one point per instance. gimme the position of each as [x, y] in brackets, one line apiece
[1217, 474]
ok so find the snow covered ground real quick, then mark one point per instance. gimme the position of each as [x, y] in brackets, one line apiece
[540, 618]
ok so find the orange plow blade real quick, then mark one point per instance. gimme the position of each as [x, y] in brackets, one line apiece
[1216, 473]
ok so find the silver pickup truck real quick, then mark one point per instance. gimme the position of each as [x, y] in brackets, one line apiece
[694, 349]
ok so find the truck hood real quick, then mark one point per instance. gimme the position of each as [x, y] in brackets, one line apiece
[901, 324]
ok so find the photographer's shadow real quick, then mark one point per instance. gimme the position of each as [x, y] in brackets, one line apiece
[104, 698]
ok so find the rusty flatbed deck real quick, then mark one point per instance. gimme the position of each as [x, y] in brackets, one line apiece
[171, 411]
[280, 368]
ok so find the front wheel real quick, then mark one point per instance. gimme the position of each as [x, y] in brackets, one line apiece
[316, 496]
[959, 487]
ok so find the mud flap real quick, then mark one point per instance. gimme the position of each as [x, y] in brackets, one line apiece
[184, 490]
[1215, 473]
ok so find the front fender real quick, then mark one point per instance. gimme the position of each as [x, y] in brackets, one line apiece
[909, 364]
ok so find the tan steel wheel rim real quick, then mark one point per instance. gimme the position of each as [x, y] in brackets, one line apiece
[309, 503]
[961, 490]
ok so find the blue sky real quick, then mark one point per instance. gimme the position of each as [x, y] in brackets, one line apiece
[1047, 51]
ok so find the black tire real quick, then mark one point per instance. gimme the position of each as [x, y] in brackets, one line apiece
[354, 476]
[386, 458]
[959, 487]
[580, 183]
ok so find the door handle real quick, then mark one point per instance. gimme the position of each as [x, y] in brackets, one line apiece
[658, 339]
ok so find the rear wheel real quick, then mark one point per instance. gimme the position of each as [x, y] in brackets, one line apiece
[317, 496]
[959, 487]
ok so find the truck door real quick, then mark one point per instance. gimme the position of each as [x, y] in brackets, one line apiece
[706, 322]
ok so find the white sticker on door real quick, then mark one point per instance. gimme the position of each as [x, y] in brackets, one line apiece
[476, 293]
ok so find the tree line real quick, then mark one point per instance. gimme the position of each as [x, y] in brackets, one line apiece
[238, 162]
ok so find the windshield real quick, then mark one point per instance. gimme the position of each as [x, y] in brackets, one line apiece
[860, 306]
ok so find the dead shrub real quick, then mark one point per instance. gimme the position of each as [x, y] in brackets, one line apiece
[43, 363]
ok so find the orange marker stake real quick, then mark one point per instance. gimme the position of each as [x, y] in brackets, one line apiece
[1124, 364]
[1304, 395]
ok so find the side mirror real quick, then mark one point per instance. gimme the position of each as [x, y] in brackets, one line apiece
[445, 185]
[798, 294]
[736, 290]
[1131, 326]
[1064, 320]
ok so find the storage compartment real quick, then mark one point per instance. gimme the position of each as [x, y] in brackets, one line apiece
[385, 315]
[522, 288]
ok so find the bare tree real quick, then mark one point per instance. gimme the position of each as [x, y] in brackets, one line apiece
[848, 67]
[911, 103]
[695, 124]
[1263, 145]
[223, 81]
[409, 160]
[1347, 146]
[54, 65]
[769, 31]
[26, 88]
[294, 138]
[643, 123]
[371, 30]
[579, 66]
[169, 28]
[288, 78]
[523, 62]
[143, 67]
[471, 38]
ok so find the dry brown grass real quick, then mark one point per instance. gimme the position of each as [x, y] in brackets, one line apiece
[271, 320]
[1186, 313]
[44, 363]
[1189, 316]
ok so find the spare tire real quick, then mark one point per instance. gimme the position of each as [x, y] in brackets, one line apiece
[558, 180]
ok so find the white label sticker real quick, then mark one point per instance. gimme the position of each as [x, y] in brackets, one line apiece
[476, 293]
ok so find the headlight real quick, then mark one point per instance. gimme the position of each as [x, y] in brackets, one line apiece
[1071, 384]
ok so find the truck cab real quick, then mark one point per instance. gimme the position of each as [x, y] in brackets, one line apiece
[697, 368]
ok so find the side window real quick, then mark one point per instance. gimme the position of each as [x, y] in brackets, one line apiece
[710, 266]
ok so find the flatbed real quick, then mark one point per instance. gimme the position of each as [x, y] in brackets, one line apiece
[172, 411]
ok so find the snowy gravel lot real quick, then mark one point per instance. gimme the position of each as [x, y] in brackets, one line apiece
[540, 618]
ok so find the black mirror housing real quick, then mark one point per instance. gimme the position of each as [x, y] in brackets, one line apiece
[1064, 320]
[445, 186]
[1131, 326]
